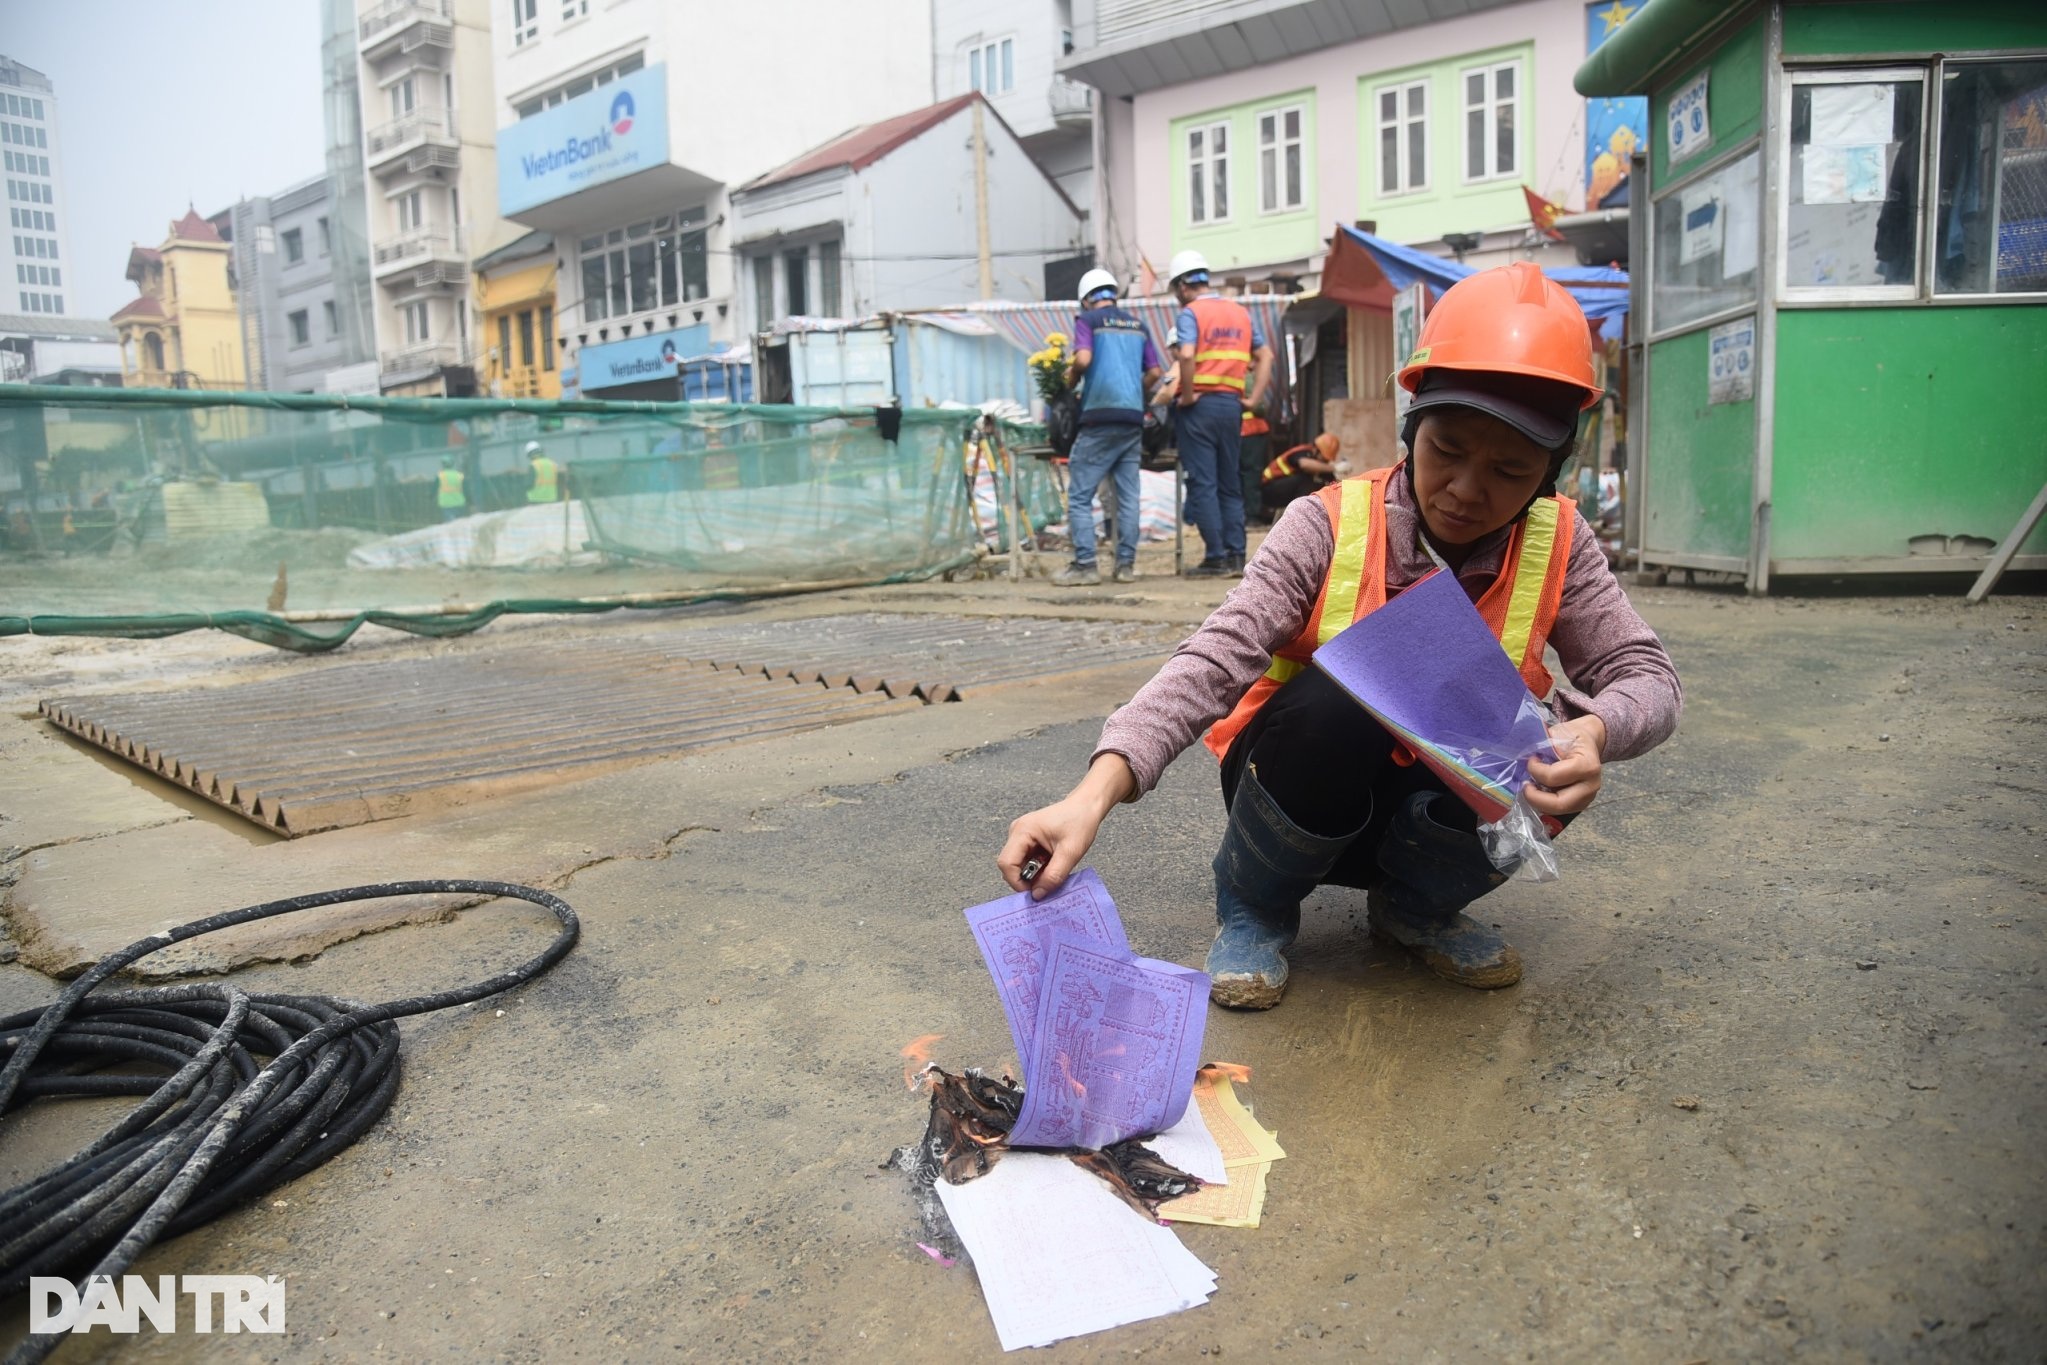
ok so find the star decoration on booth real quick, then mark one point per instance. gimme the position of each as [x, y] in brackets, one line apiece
[1615, 15]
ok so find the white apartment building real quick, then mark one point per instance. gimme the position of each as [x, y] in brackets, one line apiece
[626, 124]
[34, 253]
[429, 119]
[1008, 50]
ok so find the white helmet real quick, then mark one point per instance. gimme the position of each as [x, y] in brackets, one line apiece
[1186, 263]
[1094, 282]
[532, 448]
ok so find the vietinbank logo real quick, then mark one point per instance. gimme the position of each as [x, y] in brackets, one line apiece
[606, 134]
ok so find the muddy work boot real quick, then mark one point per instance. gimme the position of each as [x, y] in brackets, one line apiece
[1265, 866]
[1126, 573]
[1077, 575]
[1433, 872]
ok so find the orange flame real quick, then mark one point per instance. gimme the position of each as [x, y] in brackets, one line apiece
[917, 1056]
[1235, 1071]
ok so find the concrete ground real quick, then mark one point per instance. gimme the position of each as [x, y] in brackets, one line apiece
[1771, 1087]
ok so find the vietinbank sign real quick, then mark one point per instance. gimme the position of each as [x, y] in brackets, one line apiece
[614, 131]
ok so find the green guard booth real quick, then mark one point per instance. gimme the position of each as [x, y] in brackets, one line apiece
[1841, 284]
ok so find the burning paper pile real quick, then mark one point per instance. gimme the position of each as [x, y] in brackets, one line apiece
[1068, 1241]
[1232, 1193]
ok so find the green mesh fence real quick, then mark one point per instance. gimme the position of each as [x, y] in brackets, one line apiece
[295, 519]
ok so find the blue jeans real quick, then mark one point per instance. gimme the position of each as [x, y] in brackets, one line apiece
[1105, 450]
[1208, 433]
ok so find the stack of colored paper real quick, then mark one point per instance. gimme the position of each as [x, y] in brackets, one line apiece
[1109, 1041]
[1430, 670]
[1247, 1150]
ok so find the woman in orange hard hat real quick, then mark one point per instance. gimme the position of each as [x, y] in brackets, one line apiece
[1316, 789]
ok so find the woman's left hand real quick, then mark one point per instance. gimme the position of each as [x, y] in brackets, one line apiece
[1568, 785]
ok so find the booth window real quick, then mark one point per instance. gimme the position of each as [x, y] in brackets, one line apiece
[1707, 238]
[1990, 224]
[1851, 192]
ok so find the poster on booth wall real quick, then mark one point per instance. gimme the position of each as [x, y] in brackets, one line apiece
[1686, 125]
[1614, 125]
[1408, 307]
[1731, 362]
[1703, 224]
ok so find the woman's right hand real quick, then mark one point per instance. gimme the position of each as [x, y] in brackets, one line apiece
[1061, 834]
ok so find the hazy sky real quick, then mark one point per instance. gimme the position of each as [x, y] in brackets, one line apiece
[161, 105]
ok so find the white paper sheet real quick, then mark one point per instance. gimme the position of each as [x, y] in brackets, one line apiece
[1703, 223]
[1059, 1255]
[1738, 204]
[1852, 115]
[1189, 1145]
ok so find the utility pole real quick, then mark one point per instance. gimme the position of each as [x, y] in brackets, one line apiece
[981, 202]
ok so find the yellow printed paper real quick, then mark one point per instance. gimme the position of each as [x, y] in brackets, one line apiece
[1238, 1204]
[1242, 1140]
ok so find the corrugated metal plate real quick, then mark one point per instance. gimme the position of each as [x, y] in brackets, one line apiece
[349, 744]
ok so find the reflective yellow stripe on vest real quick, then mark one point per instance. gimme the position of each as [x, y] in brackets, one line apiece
[1538, 545]
[1354, 520]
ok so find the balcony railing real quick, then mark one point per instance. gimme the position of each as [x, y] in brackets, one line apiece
[418, 244]
[430, 355]
[421, 125]
[393, 13]
[1071, 100]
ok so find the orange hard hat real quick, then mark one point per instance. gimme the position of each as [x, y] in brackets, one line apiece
[1327, 445]
[1512, 319]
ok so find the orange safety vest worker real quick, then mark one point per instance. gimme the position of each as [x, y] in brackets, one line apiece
[1222, 345]
[1281, 466]
[449, 493]
[545, 473]
[1520, 607]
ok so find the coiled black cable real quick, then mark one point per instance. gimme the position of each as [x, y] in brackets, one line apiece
[219, 1130]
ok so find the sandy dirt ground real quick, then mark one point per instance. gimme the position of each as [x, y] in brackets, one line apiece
[1817, 914]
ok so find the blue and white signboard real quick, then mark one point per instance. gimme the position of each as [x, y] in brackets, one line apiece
[638, 359]
[1731, 377]
[606, 134]
[1687, 125]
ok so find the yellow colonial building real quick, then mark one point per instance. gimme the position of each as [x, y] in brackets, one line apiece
[515, 293]
[183, 330]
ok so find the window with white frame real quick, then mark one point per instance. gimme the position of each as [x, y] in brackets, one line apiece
[1208, 173]
[411, 211]
[1492, 108]
[416, 326]
[1403, 117]
[991, 66]
[404, 95]
[581, 85]
[525, 21]
[1281, 175]
[658, 263]
[574, 9]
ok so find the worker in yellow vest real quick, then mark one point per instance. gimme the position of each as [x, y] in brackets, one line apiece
[449, 495]
[546, 475]
[1298, 471]
[1319, 793]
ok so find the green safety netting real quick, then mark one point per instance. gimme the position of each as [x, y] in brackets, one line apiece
[295, 519]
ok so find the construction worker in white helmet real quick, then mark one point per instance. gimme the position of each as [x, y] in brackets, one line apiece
[1115, 364]
[1225, 364]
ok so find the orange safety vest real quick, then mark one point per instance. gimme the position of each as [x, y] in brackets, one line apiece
[1253, 424]
[1281, 466]
[1222, 345]
[1520, 607]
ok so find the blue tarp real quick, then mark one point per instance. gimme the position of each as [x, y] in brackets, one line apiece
[1602, 291]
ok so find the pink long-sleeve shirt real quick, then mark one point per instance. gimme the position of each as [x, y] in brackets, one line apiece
[1617, 669]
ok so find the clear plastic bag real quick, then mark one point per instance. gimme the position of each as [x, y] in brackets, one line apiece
[1518, 842]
